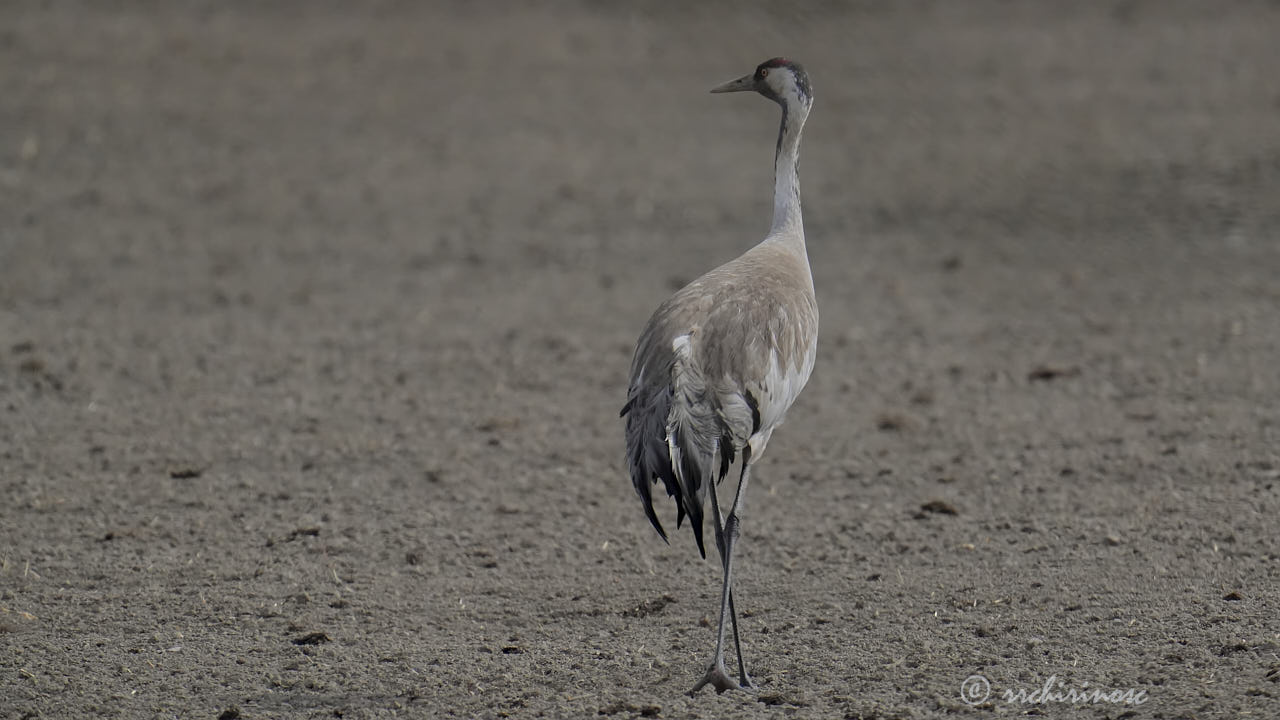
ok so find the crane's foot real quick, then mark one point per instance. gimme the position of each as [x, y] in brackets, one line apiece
[718, 678]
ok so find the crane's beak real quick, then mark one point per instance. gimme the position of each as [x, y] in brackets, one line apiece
[742, 84]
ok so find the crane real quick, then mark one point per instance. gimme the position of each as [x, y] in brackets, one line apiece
[720, 362]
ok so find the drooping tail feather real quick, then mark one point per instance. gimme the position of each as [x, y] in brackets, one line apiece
[692, 477]
[693, 433]
[674, 435]
[648, 457]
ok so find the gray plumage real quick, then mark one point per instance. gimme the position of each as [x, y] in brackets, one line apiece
[739, 320]
[720, 361]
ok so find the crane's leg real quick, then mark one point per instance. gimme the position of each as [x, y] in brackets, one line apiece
[726, 538]
[733, 611]
[735, 513]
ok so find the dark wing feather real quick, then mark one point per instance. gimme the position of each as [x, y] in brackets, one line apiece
[649, 458]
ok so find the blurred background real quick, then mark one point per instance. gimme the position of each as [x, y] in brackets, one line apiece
[316, 317]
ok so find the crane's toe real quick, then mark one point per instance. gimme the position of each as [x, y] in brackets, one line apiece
[718, 678]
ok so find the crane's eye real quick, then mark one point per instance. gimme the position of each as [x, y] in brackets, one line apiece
[764, 72]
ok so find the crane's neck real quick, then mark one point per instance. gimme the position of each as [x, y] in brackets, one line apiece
[787, 220]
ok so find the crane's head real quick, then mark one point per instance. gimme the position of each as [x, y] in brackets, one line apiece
[779, 79]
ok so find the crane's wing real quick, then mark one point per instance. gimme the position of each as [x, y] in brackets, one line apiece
[673, 428]
[716, 368]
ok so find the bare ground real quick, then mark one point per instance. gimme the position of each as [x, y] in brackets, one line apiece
[315, 320]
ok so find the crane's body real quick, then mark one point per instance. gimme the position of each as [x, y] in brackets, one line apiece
[716, 369]
[720, 362]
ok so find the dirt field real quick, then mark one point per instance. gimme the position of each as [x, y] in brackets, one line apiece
[315, 322]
